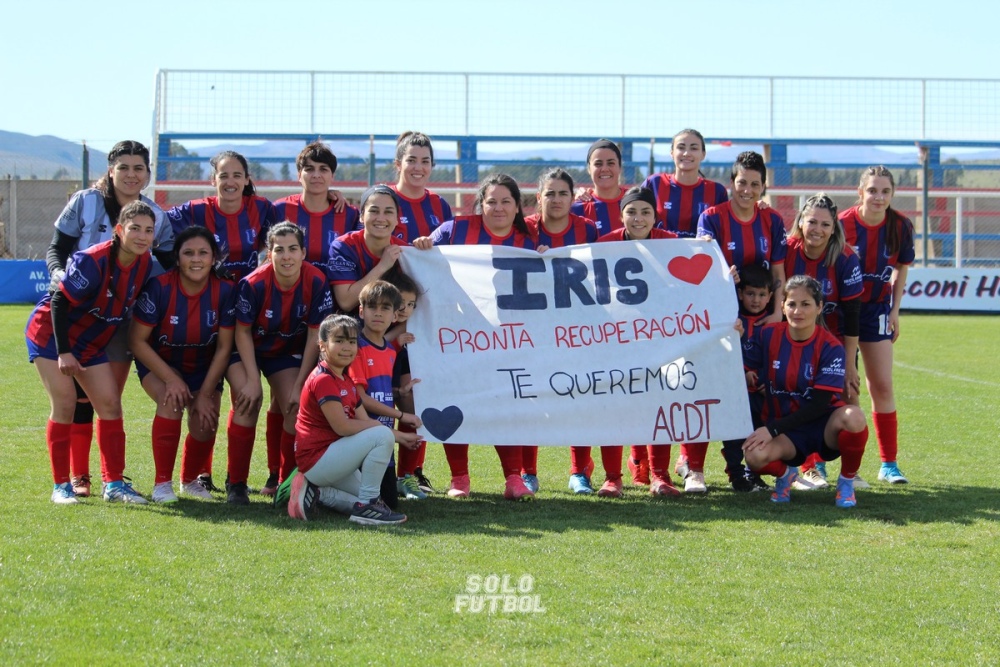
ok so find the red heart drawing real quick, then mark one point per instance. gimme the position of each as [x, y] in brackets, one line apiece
[690, 269]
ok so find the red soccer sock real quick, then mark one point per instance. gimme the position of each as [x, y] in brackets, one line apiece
[58, 438]
[659, 460]
[195, 454]
[511, 460]
[886, 434]
[80, 438]
[408, 460]
[852, 448]
[579, 457]
[638, 453]
[111, 443]
[166, 440]
[458, 458]
[695, 453]
[287, 455]
[611, 458]
[810, 463]
[275, 427]
[240, 448]
[421, 454]
[776, 468]
[529, 459]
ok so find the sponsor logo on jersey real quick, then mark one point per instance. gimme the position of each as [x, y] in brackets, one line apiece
[268, 313]
[77, 279]
[340, 263]
[731, 245]
[243, 305]
[776, 364]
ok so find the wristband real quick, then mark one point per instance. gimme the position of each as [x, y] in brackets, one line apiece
[773, 430]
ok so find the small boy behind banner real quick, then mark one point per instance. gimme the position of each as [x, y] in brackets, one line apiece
[372, 369]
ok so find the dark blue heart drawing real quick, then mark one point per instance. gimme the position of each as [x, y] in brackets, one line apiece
[442, 424]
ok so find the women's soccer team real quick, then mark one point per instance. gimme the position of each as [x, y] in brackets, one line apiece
[323, 319]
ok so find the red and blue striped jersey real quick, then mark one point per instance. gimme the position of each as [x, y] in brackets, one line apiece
[241, 236]
[580, 230]
[606, 213]
[320, 229]
[278, 319]
[841, 282]
[101, 297]
[351, 260]
[678, 207]
[313, 433]
[759, 241]
[654, 233]
[186, 326]
[420, 217]
[372, 371]
[471, 230]
[877, 263]
[790, 370]
[751, 322]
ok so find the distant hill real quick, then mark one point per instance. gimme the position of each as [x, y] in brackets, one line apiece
[47, 157]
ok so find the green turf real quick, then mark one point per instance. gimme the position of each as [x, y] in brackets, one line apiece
[908, 577]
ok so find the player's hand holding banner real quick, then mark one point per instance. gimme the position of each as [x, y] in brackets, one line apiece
[612, 343]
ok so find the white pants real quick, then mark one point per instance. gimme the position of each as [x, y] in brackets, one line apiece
[368, 450]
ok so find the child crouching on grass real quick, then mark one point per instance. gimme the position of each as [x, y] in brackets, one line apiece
[341, 452]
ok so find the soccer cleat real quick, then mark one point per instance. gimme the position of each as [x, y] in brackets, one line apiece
[238, 494]
[694, 482]
[425, 484]
[460, 487]
[578, 483]
[206, 481]
[195, 489]
[889, 472]
[845, 492]
[62, 494]
[681, 468]
[284, 490]
[81, 486]
[821, 469]
[741, 484]
[516, 489]
[860, 483]
[810, 480]
[639, 472]
[375, 513]
[530, 481]
[783, 485]
[758, 482]
[612, 488]
[164, 493]
[410, 488]
[303, 498]
[663, 486]
[270, 486]
[122, 492]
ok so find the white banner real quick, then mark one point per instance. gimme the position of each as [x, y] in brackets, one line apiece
[971, 290]
[607, 344]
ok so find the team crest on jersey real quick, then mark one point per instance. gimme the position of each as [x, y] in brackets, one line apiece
[827, 287]
[810, 374]
[301, 310]
[174, 319]
[764, 245]
[243, 305]
[251, 236]
[702, 207]
[145, 304]
[211, 317]
[434, 221]
[77, 279]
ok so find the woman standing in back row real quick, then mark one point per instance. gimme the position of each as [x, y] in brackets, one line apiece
[883, 239]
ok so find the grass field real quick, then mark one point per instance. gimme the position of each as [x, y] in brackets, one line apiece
[908, 577]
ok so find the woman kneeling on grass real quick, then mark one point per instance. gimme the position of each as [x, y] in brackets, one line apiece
[341, 452]
[802, 368]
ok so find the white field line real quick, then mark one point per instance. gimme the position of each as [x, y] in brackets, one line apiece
[949, 376]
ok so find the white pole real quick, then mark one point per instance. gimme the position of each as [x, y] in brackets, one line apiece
[958, 232]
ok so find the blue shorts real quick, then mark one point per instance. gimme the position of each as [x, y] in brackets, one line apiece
[49, 352]
[271, 365]
[808, 439]
[875, 322]
[192, 380]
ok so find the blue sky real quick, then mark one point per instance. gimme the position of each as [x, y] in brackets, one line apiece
[75, 77]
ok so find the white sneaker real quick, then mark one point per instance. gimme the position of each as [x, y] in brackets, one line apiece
[164, 493]
[195, 489]
[695, 482]
[810, 480]
[62, 494]
[122, 492]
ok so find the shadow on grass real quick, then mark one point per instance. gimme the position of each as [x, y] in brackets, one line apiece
[560, 511]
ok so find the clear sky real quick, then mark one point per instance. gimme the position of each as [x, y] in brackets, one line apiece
[85, 70]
